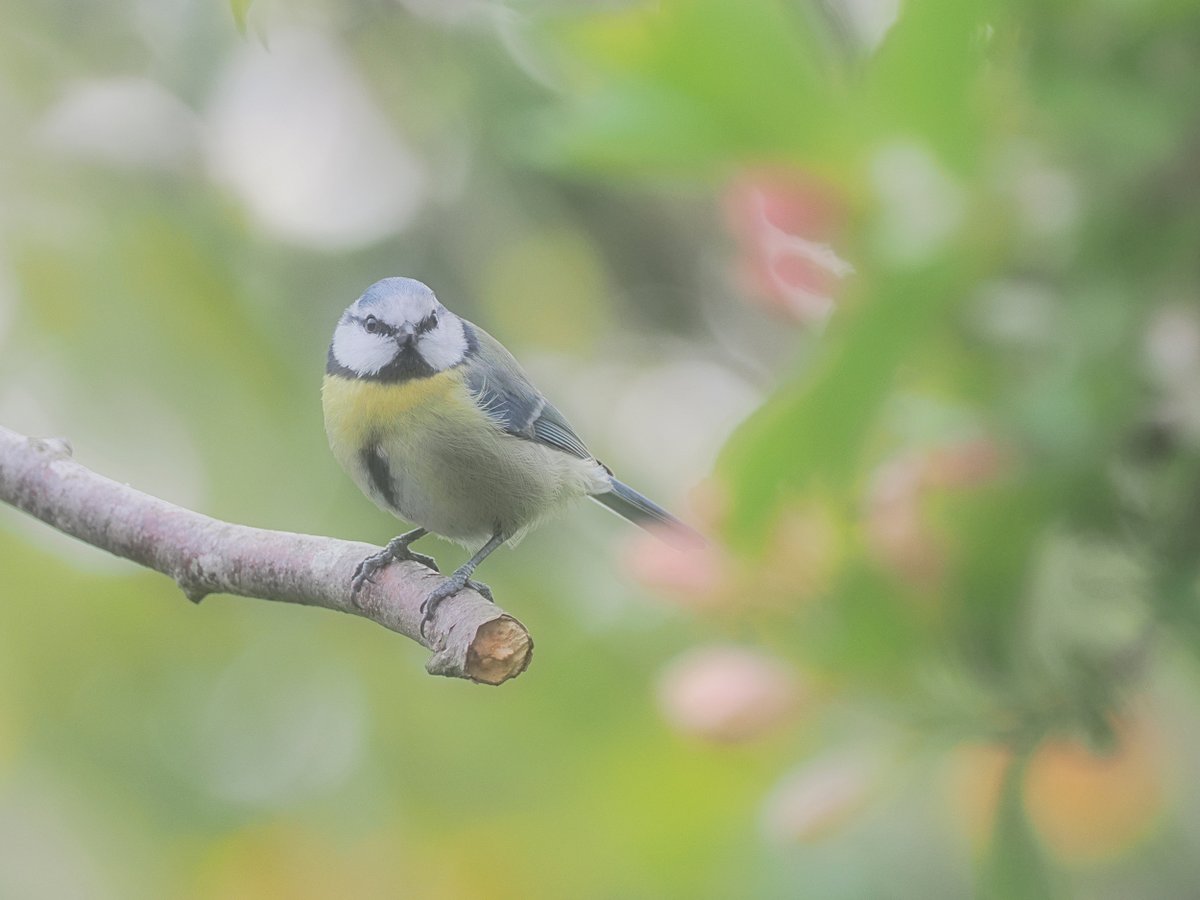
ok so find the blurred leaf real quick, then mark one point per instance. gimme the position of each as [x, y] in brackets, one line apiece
[811, 433]
[1017, 190]
[547, 289]
[924, 79]
[690, 95]
[1015, 867]
[240, 9]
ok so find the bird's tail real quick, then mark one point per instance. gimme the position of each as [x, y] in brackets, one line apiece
[644, 512]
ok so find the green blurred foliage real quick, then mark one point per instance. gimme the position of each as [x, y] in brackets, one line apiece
[962, 508]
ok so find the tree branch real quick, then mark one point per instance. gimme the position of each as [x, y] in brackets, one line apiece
[469, 637]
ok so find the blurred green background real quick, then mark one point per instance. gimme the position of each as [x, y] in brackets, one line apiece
[899, 299]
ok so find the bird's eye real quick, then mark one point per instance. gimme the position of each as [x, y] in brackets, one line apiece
[371, 324]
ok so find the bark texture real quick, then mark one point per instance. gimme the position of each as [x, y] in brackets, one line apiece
[470, 638]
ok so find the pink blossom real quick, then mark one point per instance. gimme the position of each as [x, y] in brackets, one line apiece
[728, 694]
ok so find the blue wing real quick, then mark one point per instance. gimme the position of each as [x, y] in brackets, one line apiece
[503, 390]
[505, 393]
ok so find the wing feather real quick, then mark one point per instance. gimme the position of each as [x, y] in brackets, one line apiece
[503, 391]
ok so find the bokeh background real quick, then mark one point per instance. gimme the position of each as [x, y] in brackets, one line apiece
[898, 299]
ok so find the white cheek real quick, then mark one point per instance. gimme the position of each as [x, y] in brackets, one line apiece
[445, 346]
[360, 352]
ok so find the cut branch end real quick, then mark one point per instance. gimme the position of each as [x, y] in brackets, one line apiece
[471, 638]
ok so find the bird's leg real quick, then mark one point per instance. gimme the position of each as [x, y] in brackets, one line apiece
[460, 579]
[400, 548]
[397, 549]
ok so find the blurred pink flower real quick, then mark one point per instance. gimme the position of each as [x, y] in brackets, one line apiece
[798, 563]
[784, 222]
[816, 799]
[965, 464]
[693, 574]
[728, 694]
[897, 531]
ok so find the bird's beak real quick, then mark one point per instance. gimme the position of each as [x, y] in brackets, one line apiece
[406, 335]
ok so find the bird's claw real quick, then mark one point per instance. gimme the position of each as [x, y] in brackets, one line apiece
[447, 588]
[427, 561]
[363, 573]
[397, 550]
[445, 591]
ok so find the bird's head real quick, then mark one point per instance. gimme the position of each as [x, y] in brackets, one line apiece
[397, 330]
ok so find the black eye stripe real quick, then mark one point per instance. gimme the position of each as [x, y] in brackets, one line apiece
[372, 325]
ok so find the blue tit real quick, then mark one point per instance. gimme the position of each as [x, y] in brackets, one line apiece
[437, 423]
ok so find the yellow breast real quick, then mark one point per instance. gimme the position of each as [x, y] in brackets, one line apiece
[355, 409]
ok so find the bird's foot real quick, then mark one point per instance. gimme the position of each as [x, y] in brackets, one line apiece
[448, 589]
[397, 549]
[403, 552]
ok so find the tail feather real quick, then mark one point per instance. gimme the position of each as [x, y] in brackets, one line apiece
[644, 512]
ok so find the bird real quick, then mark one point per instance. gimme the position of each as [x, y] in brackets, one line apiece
[438, 424]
